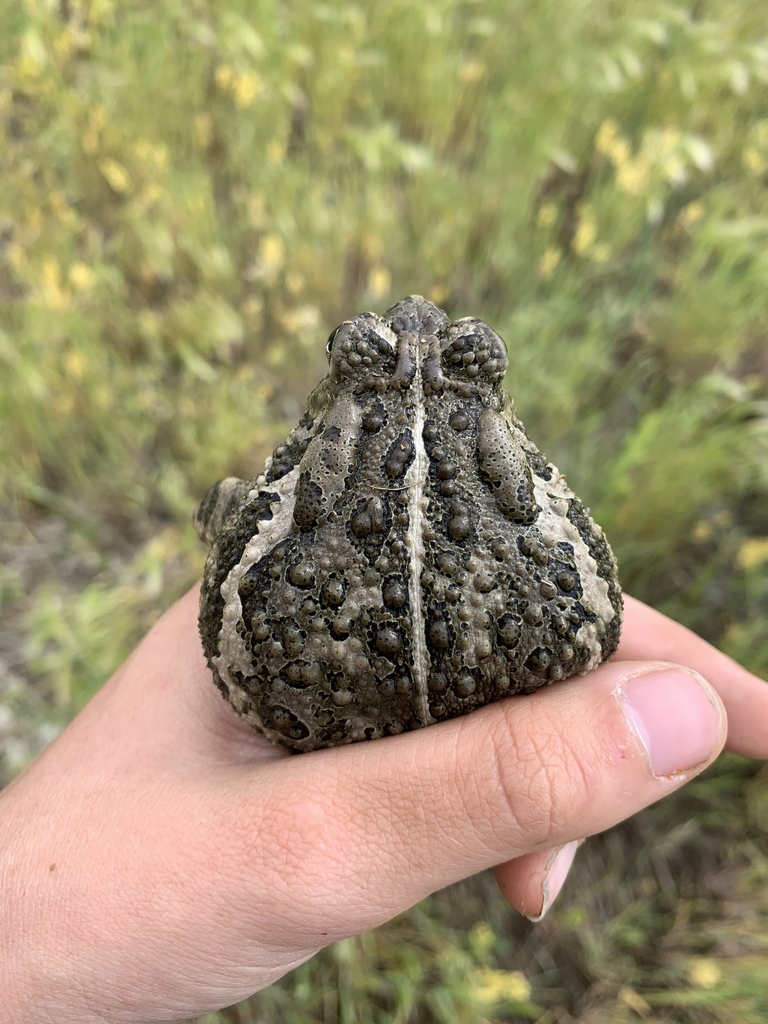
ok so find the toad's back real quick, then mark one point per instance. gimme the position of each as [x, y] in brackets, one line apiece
[408, 554]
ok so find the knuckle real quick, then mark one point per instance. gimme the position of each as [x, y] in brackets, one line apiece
[543, 778]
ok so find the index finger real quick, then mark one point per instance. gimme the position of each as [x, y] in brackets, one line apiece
[650, 635]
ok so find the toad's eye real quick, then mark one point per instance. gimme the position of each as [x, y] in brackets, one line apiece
[331, 339]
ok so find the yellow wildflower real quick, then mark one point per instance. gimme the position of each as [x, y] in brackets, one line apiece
[607, 134]
[90, 136]
[754, 161]
[546, 215]
[50, 284]
[33, 57]
[379, 282]
[75, 364]
[691, 214]
[610, 143]
[438, 294]
[116, 175]
[494, 986]
[482, 939]
[17, 257]
[586, 232]
[633, 176]
[64, 44]
[98, 116]
[224, 76]
[271, 256]
[548, 262]
[81, 276]
[246, 88]
[301, 320]
[153, 155]
[753, 552]
[704, 973]
[702, 532]
[151, 194]
[471, 71]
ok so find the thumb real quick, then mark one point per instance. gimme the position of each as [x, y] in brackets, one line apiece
[370, 829]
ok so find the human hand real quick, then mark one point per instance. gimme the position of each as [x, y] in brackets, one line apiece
[160, 860]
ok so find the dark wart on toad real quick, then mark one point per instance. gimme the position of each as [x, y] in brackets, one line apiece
[408, 554]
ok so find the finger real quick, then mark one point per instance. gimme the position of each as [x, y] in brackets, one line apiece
[370, 829]
[649, 634]
[531, 883]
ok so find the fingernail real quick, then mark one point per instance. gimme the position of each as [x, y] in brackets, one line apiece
[676, 717]
[556, 874]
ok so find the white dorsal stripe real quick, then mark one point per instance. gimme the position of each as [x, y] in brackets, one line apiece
[416, 483]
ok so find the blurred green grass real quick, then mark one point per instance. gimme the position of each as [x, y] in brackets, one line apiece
[192, 195]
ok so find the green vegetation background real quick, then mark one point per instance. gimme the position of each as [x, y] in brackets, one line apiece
[192, 194]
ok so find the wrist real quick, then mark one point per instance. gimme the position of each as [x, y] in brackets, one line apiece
[28, 978]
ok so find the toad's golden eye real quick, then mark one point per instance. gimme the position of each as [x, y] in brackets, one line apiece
[331, 339]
